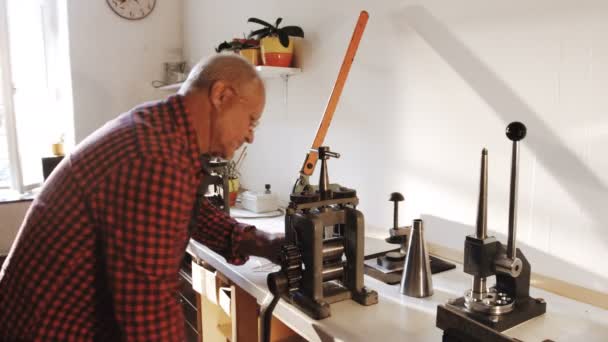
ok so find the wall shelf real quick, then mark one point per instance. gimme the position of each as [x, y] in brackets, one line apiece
[266, 72]
[276, 72]
[171, 87]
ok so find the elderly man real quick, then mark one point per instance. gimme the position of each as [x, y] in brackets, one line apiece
[98, 253]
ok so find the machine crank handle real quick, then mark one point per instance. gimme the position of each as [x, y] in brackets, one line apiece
[312, 157]
[516, 131]
[278, 285]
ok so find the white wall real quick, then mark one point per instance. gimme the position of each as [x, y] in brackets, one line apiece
[12, 215]
[416, 112]
[114, 60]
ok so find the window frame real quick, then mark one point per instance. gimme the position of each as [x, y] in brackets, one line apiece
[8, 91]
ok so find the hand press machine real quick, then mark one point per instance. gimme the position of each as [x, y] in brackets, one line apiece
[484, 312]
[322, 260]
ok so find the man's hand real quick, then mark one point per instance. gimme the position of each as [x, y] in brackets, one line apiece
[263, 244]
[274, 244]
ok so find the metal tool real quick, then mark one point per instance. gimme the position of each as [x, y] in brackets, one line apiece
[322, 226]
[483, 313]
[308, 167]
[215, 183]
[416, 280]
[388, 266]
[398, 235]
[326, 226]
[394, 260]
[281, 283]
[325, 235]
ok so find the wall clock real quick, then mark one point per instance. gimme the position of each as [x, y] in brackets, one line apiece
[132, 9]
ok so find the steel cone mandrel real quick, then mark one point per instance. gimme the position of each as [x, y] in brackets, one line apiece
[416, 280]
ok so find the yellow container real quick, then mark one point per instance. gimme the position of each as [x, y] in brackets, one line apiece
[275, 54]
[233, 185]
[58, 149]
[273, 44]
[233, 190]
[252, 55]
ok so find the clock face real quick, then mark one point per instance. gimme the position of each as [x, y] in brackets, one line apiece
[132, 9]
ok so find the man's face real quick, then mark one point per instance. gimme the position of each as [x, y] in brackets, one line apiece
[236, 118]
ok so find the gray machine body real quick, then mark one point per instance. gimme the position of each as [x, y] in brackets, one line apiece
[330, 234]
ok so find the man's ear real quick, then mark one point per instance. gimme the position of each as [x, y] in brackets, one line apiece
[220, 93]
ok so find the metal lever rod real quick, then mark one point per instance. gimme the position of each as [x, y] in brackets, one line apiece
[312, 157]
[516, 131]
[326, 153]
[513, 202]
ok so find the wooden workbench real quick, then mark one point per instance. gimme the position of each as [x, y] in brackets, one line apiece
[395, 317]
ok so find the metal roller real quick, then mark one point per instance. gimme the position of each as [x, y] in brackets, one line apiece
[333, 248]
[333, 271]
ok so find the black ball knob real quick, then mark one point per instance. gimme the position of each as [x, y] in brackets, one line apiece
[516, 131]
[396, 197]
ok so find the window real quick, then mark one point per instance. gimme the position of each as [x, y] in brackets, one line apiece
[5, 179]
[5, 105]
[33, 109]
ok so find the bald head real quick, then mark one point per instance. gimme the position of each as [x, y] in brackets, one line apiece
[225, 97]
[230, 68]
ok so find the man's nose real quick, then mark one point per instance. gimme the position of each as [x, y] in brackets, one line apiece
[249, 137]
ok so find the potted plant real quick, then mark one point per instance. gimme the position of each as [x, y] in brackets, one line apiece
[232, 171]
[275, 42]
[233, 182]
[248, 48]
[57, 147]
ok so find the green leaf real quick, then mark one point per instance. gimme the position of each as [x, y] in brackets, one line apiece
[259, 21]
[283, 38]
[223, 46]
[294, 31]
[263, 32]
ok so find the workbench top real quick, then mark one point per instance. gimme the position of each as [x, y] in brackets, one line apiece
[398, 317]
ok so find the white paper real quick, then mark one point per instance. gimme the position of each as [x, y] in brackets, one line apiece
[210, 290]
[225, 295]
[198, 276]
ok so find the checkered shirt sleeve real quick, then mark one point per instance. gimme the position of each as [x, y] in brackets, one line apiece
[220, 232]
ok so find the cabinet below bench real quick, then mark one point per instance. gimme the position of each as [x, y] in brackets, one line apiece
[216, 309]
[187, 298]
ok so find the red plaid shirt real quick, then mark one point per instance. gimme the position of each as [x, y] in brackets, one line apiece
[98, 253]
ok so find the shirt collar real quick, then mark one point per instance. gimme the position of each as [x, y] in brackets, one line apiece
[185, 127]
